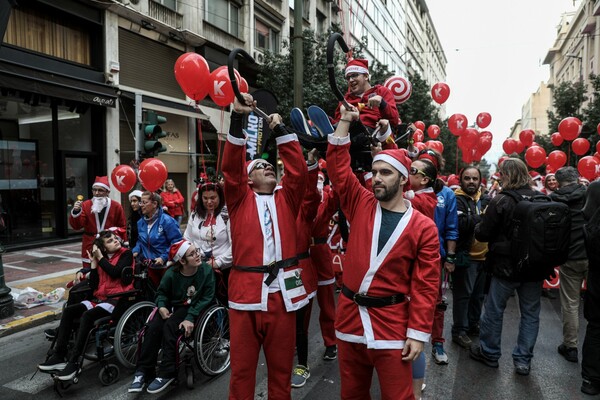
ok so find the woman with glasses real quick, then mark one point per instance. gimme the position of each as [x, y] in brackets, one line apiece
[156, 230]
[185, 290]
[208, 229]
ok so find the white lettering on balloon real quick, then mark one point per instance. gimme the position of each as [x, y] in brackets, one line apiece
[459, 124]
[217, 91]
[120, 179]
[438, 92]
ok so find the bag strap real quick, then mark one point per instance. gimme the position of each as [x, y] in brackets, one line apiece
[513, 194]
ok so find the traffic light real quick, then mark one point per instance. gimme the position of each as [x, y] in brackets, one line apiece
[153, 132]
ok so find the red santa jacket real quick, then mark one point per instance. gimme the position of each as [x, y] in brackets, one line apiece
[369, 116]
[304, 221]
[320, 253]
[408, 264]
[247, 290]
[108, 285]
[425, 201]
[173, 201]
[114, 217]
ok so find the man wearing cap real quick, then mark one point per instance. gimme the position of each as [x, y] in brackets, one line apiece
[95, 215]
[378, 100]
[391, 273]
[265, 285]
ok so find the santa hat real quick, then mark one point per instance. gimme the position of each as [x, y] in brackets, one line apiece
[496, 176]
[430, 155]
[453, 182]
[321, 176]
[358, 66]
[535, 175]
[135, 193]
[101, 181]
[252, 163]
[178, 249]
[398, 159]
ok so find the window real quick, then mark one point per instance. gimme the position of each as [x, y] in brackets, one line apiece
[172, 4]
[266, 37]
[321, 21]
[223, 14]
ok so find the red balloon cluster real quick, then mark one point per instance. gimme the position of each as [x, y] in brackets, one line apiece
[435, 145]
[195, 79]
[123, 178]
[152, 173]
[440, 92]
[474, 144]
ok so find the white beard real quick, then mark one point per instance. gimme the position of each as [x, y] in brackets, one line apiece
[98, 204]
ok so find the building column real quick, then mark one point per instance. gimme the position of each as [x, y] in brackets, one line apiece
[111, 68]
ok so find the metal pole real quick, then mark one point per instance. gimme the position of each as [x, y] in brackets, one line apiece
[298, 54]
[6, 301]
[139, 139]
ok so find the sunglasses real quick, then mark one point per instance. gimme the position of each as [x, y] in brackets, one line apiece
[414, 171]
[352, 76]
[262, 166]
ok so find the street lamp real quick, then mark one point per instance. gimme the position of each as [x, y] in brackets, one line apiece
[580, 64]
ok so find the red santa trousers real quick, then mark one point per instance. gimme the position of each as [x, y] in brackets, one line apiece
[275, 331]
[356, 370]
[437, 330]
[325, 292]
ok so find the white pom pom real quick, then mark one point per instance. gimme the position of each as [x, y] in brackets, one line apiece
[409, 194]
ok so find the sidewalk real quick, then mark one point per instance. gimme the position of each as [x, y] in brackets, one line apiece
[43, 269]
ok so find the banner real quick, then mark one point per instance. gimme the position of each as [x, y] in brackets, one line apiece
[257, 129]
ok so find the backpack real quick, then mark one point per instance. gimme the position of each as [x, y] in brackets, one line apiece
[539, 233]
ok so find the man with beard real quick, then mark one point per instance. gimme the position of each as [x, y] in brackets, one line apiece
[469, 273]
[394, 255]
[95, 215]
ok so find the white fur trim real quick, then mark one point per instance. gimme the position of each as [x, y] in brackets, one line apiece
[181, 251]
[382, 137]
[100, 184]
[393, 162]
[356, 69]
[136, 193]
[409, 194]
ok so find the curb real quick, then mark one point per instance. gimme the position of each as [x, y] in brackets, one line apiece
[24, 323]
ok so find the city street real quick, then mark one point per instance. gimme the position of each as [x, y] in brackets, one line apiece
[552, 378]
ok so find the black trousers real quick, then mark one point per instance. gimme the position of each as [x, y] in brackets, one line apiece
[161, 333]
[67, 325]
[302, 324]
[590, 353]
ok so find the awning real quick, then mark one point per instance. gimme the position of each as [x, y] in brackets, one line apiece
[13, 76]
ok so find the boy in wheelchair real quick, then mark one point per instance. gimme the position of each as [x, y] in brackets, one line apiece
[108, 260]
[186, 289]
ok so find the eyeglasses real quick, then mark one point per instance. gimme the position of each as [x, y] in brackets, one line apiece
[352, 76]
[193, 253]
[262, 166]
[414, 171]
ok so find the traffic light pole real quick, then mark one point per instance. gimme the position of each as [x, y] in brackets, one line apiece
[139, 135]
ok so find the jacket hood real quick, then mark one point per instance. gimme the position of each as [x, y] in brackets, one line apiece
[569, 194]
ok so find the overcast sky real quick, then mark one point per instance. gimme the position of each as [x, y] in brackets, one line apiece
[495, 51]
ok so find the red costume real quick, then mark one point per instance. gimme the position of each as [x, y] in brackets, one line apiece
[260, 316]
[173, 201]
[373, 337]
[425, 201]
[369, 116]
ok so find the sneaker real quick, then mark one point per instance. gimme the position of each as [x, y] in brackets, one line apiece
[138, 382]
[54, 363]
[588, 387]
[320, 120]
[300, 375]
[522, 369]
[569, 353]
[159, 384]
[439, 355]
[476, 354]
[462, 340]
[300, 124]
[69, 372]
[330, 353]
[51, 333]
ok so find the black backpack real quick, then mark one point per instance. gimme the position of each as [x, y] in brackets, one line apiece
[540, 230]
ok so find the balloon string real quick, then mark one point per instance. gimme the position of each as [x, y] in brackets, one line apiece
[219, 141]
[200, 137]
[456, 169]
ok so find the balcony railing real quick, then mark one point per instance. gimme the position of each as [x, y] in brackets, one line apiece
[165, 15]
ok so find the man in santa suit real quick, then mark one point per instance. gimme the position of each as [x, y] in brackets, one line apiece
[95, 215]
[265, 285]
[391, 273]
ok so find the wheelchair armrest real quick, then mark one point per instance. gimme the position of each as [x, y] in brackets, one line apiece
[127, 275]
[123, 294]
[103, 320]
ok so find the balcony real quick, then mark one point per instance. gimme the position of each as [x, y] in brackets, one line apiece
[165, 15]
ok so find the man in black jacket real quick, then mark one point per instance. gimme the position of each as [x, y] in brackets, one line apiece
[574, 271]
[506, 278]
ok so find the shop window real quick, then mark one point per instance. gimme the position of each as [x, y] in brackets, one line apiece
[266, 37]
[223, 14]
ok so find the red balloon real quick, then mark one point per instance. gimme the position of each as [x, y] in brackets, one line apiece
[580, 146]
[192, 75]
[598, 146]
[470, 138]
[535, 156]
[598, 128]
[484, 145]
[486, 134]
[123, 178]
[556, 159]
[570, 128]
[457, 123]
[589, 167]
[420, 145]
[440, 92]
[597, 156]
[509, 146]
[435, 145]
[526, 137]
[419, 125]
[243, 85]
[466, 157]
[433, 131]
[520, 147]
[418, 135]
[152, 174]
[556, 139]
[221, 91]
[484, 119]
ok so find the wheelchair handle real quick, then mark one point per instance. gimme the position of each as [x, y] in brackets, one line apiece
[234, 85]
[333, 39]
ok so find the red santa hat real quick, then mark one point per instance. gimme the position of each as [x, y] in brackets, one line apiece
[398, 159]
[321, 176]
[357, 66]
[535, 175]
[178, 249]
[135, 193]
[101, 181]
[252, 163]
[496, 176]
[453, 182]
[430, 155]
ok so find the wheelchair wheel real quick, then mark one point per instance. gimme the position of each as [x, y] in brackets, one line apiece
[108, 374]
[212, 341]
[127, 333]
[189, 377]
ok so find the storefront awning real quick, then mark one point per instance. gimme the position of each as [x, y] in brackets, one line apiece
[14, 76]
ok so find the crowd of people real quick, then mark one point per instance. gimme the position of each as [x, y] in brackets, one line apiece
[263, 247]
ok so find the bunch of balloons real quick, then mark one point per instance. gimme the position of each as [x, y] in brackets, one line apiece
[152, 175]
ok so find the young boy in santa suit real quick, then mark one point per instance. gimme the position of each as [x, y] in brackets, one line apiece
[265, 285]
[394, 256]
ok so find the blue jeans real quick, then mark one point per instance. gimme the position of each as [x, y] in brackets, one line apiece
[467, 296]
[491, 321]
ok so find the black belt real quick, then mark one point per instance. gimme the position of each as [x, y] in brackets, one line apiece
[370, 301]
[271, 269]
[317, 240]
[303, 256]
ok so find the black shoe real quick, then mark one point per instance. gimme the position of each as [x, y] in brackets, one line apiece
[522, 369]
[51, 333]
[330, 353]
[588, 387]
[70, 372]
[462, 340]
[569, 353]
[54, 363]
[476, 354]
[549, 294]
